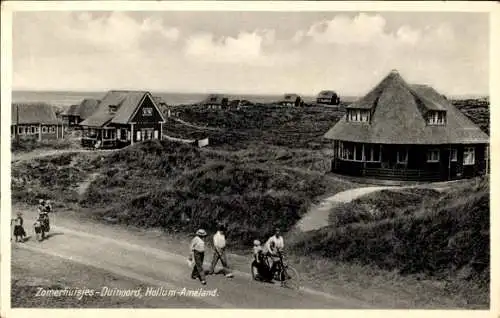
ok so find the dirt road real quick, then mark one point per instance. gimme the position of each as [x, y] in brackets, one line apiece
[132, 257]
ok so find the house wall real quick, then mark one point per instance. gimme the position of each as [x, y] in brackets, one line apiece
[147, 113]
[32, 131]
[444, 169]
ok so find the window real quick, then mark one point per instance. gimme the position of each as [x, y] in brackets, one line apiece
[33, 129]
[469, 156]
[118, 134]
[147, 111]
[358, 152]
[453, 155]
[436, 118]
[156, 134]
[112, 108]
[351, 151]
[44, 129]
[138, 135]
[402, 156]
[20, 130]
[52, 129]
[373, 153]
[358, 115]
[433, 155]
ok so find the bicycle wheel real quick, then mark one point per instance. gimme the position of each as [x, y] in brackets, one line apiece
[292, 279]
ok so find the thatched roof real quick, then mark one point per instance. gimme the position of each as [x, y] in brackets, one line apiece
[126, 103]
[398, 117]
[83, 110]
[33, 113]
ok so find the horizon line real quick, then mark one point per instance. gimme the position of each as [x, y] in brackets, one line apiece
[211, 92]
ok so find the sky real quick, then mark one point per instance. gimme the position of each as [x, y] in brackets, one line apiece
[249, 52]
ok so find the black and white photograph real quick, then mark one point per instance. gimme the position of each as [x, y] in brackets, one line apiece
[248, 159]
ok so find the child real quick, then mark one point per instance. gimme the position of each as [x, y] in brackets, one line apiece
[37, 226]
[260, 262]
[19, 232]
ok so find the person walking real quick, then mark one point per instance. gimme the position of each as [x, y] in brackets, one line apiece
[19, 232]
[197, 255]
[219, 240]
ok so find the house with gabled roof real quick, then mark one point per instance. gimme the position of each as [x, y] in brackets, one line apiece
[35, 121]
[123, 118]
[407, 132]
[75, 114]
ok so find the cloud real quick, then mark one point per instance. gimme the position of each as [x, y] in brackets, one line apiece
[371, 31]
[245, 47]
[102, 50]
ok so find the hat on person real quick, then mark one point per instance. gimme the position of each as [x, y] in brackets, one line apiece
[201, 232]
[256, 242]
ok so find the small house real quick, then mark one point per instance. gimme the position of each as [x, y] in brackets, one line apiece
[215, 101]
[290, 100]
[122, 118]
[400, 131]
[75, 114]
[328, 98]
[35, 121]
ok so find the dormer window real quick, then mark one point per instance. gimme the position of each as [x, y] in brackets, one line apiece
[358, 115]
[112, 109]
[436, 118]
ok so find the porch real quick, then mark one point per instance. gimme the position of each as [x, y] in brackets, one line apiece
[424, 163]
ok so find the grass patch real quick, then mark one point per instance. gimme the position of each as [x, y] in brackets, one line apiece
[27, 145]
[445, 238]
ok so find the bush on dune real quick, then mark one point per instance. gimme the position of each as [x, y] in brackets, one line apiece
[46, 178]
[250, 199]
[444, 238]
[27, 145]
[382, 204]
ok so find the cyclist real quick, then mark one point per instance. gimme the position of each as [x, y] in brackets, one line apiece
[274, 246]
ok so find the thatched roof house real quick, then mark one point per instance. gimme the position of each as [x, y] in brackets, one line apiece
[291, 100]
[37, 120]
[75, 114]
[403, 131]
[328, 98]
[123, 117]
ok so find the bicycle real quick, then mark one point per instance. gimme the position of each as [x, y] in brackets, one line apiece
[286, 274]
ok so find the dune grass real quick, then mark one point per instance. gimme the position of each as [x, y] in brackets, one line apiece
[442, 237]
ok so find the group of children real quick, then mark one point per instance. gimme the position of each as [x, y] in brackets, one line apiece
[44, 207]
[271, 249]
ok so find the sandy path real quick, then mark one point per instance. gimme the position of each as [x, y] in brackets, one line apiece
[125, 254]
[39, 153]
[317, 216]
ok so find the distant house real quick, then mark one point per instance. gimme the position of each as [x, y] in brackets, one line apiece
[35, 121]
[215, 101]
[328, 98]
[122, 118]
[75, 114]
[407, 132]
[291, 100]
[239, 103]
